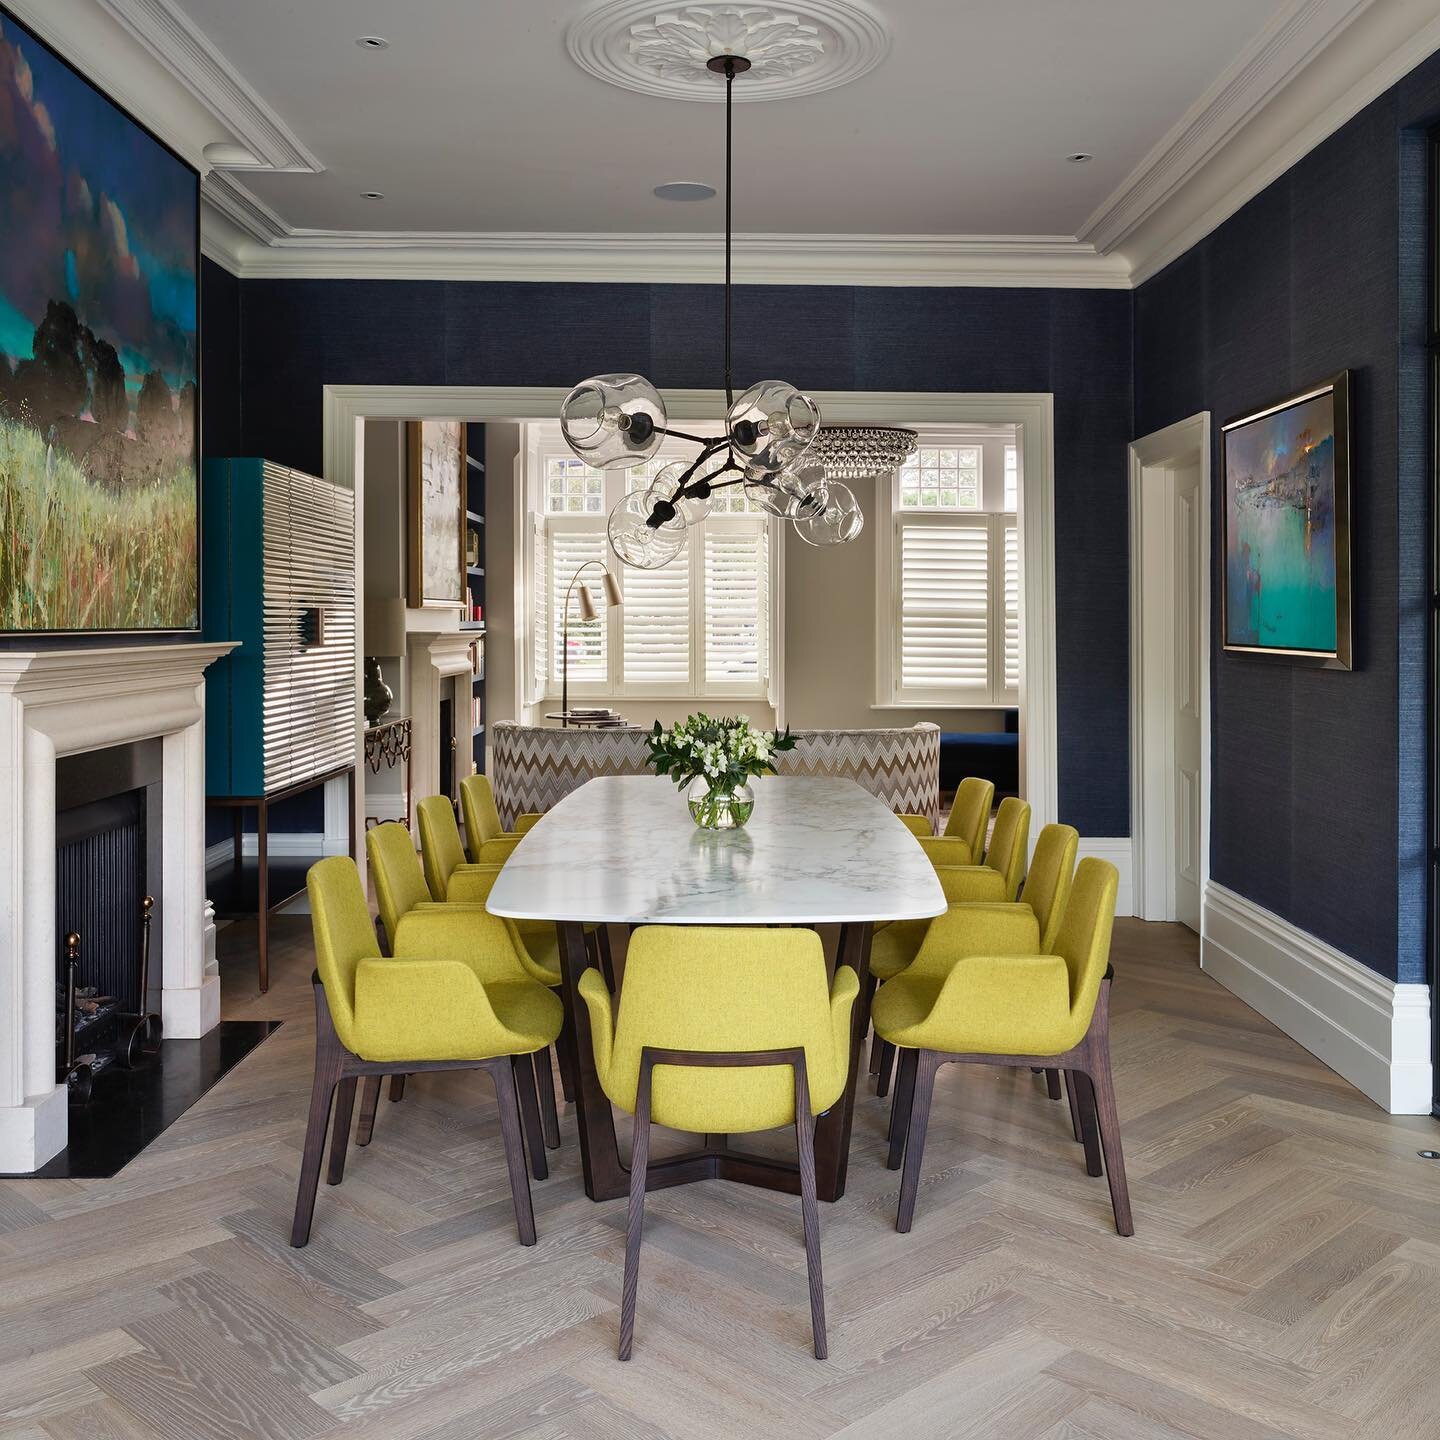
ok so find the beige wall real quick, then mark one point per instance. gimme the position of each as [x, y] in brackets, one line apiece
[830, 640]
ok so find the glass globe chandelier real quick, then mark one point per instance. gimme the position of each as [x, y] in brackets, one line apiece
[774, 444]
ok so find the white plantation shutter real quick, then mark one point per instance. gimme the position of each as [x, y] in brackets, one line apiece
[571, 544]
[1012, 607]
[945, 605]
[656, 623]
[735, 601]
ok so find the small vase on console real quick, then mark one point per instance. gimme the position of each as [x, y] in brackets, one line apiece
[378, 695]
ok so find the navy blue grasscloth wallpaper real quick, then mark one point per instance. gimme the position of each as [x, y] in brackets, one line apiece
[1318, 807]
[294, 336]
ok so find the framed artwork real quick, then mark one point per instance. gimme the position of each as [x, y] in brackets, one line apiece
[99, 358]
[1286, 517]
[435, 474]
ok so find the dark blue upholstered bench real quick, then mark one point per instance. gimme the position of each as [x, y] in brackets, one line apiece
[991, 755]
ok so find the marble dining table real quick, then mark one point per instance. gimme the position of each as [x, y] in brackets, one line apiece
[622, 850]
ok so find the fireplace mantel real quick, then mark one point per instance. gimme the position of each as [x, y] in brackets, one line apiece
[64, 702]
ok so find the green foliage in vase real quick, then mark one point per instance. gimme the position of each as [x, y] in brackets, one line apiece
[725, 751]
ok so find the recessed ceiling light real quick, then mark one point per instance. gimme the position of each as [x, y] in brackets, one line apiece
[685, 190]
[373, 42]
[1079, 157]
[373, 194]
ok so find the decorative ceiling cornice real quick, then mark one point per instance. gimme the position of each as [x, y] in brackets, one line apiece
[1299, 32]
[173, 39]
[1056, 262]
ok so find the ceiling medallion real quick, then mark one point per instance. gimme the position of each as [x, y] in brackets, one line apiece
[794, 50]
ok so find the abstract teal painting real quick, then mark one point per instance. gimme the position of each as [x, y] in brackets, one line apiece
[1287, 527]
[99, 358]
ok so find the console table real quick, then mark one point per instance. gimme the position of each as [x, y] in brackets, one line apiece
[387, 743]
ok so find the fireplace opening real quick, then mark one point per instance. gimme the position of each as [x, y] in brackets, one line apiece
[108, 976]
[447, 746]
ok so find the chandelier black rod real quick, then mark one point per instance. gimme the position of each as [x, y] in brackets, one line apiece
[729, 109]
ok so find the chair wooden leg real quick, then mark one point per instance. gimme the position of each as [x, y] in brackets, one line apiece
[1108, 1119]
[1089, 1132]
[508, 1103]
[900, 1108]
[809, 1210]
[887, 1064]
[607, 958]
[927, 1063]
[635, 1213]
[369, 1104]
[1052, 1084]
[327, 1075]
[523, 1070]
[545, 1088]
[1074, 1106]
[340, 1129]
[397, 1088]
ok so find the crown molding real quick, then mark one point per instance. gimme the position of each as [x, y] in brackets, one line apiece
[174, 39]
[1177, 228]
[1299, 32]
[1051, 261]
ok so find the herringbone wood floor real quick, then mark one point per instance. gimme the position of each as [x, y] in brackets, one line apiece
[1284, 1279]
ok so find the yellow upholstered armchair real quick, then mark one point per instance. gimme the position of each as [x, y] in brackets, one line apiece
[963, 842]
[403, 895]
[1010, 1006]
[485, 838]
[443, 1002]
[723, 1031]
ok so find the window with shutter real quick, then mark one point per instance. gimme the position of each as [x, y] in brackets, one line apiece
[655, 623]
[734, 602]
[945, 605]
[571, 544]
[696, 628]
[948, 619]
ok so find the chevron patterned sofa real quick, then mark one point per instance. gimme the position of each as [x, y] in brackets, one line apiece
[536, 766]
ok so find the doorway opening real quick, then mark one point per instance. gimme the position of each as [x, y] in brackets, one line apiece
[1170, 670]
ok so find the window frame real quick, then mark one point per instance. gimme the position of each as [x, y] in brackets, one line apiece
[539, 445]
[891, 521]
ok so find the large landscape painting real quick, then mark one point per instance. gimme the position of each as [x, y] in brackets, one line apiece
[1286, 515]
[99, 283]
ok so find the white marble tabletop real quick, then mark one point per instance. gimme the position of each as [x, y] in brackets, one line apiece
[623, 849]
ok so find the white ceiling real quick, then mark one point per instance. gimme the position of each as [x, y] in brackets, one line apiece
[476, 119]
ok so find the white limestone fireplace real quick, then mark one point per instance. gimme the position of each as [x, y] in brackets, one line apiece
[64, 702]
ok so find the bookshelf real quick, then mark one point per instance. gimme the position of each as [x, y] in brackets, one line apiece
[475, 583]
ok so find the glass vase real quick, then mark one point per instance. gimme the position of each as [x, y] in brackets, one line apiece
[719, 809]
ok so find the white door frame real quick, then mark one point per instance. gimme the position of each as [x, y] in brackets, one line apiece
[346, 407]
[1152, 591]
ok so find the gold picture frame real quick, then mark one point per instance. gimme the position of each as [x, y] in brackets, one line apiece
[435, 471]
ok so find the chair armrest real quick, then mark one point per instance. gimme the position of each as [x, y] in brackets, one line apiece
[1004, 1005]
[946, 850]
[967, 930]
[917, 825]
[844, 989]
[423, 1010]
[526, 822]
[471, 884]
[972, 884]
[497, 850]
[602, 1021]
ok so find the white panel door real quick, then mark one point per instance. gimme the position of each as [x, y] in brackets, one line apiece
[1186, 522]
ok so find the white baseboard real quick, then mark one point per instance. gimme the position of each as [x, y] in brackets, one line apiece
[1373, 1031]
[1120, 852]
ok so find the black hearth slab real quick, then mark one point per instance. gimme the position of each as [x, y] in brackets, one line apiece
[131, 1108]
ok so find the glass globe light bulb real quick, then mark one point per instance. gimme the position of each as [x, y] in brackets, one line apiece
[636, 540]
[667, 482]
[613, 422]
[770, 426]
[837, 522]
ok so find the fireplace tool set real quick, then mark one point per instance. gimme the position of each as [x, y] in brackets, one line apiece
[97, 1030]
